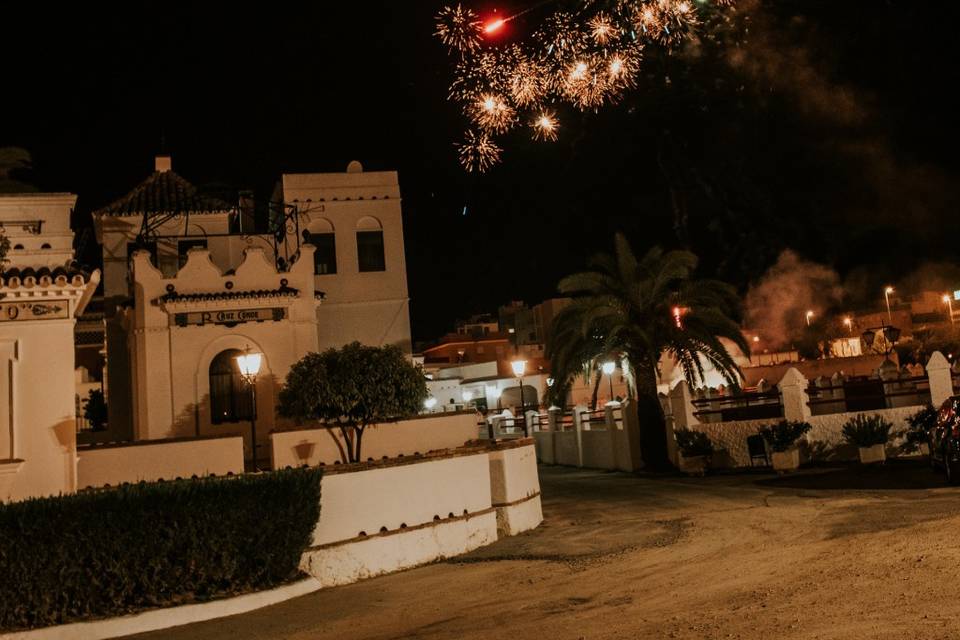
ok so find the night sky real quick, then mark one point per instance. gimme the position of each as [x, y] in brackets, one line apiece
[826, 127]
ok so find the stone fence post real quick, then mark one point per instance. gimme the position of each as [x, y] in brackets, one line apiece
[793, 394]
[941, 380]
[578, 412]
[681, 406]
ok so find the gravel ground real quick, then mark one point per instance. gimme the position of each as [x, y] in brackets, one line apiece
[843, 552]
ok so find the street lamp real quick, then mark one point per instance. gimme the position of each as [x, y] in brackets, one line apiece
[608, 368]
[429, 404]
[848, 323]
[808, 316]
[886, 296]
[949, 301]
[249, 365]
[467, 396]
[519, 368]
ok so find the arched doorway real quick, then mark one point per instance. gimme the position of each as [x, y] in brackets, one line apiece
[230, 398]
[511, 397]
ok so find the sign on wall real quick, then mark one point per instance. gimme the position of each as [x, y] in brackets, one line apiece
[10, 311]
[229, 316]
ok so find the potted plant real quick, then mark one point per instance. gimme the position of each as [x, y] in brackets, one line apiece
[870, 435]
[695, 451]
[782, 438]
[918, 430]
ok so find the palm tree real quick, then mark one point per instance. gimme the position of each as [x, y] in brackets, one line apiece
[637, 311]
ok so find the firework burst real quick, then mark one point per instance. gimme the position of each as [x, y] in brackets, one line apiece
[458, 28]
[584, 57]
[478, 151]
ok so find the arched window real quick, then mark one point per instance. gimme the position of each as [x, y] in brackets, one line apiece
[229, 394]
[18, 246]
[45, 246]
[370, 255]
[321, 236]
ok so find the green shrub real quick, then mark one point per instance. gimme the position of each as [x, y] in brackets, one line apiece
[919, 424]
[867, 431]
[781, 436]
[693, 443]
[114, 551]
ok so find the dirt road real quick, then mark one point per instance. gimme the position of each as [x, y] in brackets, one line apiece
[839, 553]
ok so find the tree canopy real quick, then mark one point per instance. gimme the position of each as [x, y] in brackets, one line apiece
[636, 310]
[352, 388]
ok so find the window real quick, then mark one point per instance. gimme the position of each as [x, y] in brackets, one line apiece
[184, 246]
[370, 251]
[325, 255]
[229, 394]
[18, 246]
[45, 245]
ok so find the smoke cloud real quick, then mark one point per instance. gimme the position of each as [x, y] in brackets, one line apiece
[776, 305]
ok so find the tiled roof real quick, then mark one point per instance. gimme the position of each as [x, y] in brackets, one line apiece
[163, 192]
[173, 296]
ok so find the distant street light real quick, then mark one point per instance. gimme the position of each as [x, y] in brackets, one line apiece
[848, 323]
[886, 296]
[467, 396]
[949, 301]
[808, 316]
[608, 368]
[249, 365]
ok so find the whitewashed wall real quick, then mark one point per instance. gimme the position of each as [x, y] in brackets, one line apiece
[98, 466]
[377, 519]
[405, 437]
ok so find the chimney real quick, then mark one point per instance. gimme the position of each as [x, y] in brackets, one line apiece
[163, 163]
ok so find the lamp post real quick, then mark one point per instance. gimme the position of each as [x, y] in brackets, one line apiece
[809, 315]
[608, 369]
[249, 365]
[429, 404]
[848, 323]
[886, 296]
[949, 301]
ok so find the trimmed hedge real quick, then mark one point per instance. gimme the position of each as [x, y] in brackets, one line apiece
[115, 551]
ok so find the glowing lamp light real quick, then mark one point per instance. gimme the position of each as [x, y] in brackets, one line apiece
[756, 338]
[519, 367]
[467, 396]
[494, 25]
[609, 367]
[430, 403]
[550, 382]
[946, 299]
[888, 290]
[249, 364]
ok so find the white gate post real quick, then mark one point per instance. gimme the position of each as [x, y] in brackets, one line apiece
[941, 379]
[578, 412]
[793, 392]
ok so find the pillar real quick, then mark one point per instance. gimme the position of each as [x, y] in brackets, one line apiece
[793, 394]
[940, 377]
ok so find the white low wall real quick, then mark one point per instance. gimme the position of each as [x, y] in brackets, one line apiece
[515, 489]
[827, 432]
[377, 519]
[152, 460]
[611, 442]
[391, 439]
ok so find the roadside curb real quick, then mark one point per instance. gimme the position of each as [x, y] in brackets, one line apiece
[157, 619]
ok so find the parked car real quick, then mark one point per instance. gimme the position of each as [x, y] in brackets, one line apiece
[944, 440]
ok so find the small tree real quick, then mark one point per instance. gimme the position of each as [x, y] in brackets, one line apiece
[96, 410]
[352, 388]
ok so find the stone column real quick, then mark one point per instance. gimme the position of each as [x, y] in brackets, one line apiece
[793, 393]
[578, 412]
[941, 381]
[681, 406]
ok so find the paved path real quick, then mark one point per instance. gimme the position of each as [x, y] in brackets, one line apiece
[838, 553]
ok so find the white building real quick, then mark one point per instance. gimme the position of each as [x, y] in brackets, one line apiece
[40, 297]
[188, 287]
